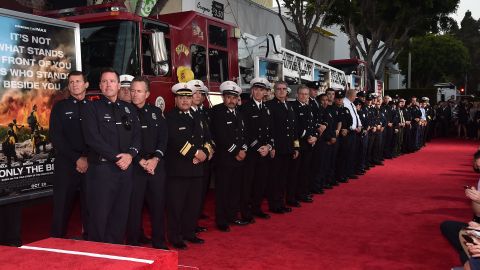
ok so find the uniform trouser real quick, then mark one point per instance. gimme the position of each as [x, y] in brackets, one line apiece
[372, 136]
[183, 203]
[10, 225]
[228, 191]
[255, 178]
[353, 156]
[333, 164]
[413, 138]
[304, 172]
[398, 141]
[280, 166]
[377, 146]
[67, 182]
[205, 184]
[344, 152]
[362, 146]
[387, 148]
[108, 200]
[406, 139]
[292, 179]
[318, 164]
[151, 187]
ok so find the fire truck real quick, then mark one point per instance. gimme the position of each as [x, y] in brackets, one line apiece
[166, 49]
[355, 71]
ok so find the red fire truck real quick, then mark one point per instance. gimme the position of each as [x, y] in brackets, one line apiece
[355, 70]
[166, 49]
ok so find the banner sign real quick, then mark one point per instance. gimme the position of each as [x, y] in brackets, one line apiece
[270, 69]
[36, 55]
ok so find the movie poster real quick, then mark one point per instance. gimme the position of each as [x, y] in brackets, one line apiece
[36, 55]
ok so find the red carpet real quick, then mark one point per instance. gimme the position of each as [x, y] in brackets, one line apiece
[387, 219]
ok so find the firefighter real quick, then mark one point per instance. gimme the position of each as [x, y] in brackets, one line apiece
[32, 119]
[298, 183]
[124, 93]
[148, 168]
[38, 140]
[228, 134]
[345, 149]
[8, 147]
[112, 132]
[198, 110]
[186, 151]
[71, 154]
[285, 150]
[15, 128]
[256, 116]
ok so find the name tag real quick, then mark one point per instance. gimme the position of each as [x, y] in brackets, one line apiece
[107, 117]
[68, 112]
[254, 116]
[229, 122]
[182, 128]
[144, 126]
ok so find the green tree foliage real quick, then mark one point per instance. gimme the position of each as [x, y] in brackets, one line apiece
[378, 30]
[306, 16]
[435, 58]
[469, 34]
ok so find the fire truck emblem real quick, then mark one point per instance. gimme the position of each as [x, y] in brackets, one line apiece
[197, 31]
[127, 110]
[154, 116]
[181, 48]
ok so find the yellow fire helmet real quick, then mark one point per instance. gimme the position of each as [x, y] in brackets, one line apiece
[184, 74]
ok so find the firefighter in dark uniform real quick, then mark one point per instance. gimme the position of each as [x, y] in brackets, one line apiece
[382, 124]
[325, 143]
[389, 130]
[372, 135]
[198, 110]
[362, 140]
[148, 168]
[256, 117]
[345, 145]
[231, 150]
[320, 126]
[186, 152]
[70, 155]
[306, 127]
[416, 115]
[286, 147]
[334, 111]
[112, 132]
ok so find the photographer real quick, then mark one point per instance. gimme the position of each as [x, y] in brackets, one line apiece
[454, 231]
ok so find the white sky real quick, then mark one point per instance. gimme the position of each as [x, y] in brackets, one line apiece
[472, 5]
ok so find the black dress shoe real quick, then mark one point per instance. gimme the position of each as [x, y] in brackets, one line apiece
[203, 216]
[343, 180]
[335, 183]
[277, 211]
[261, 215]
[353, 177]
[200, 229]
[317, 191]
[249, 220]
[306, 200]
[286, 209]
[195, 240]
[293, 203]
[144, 239]
[179, 245]
[239, 222]
[223, 228]
[327, 186]
[164, 247]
